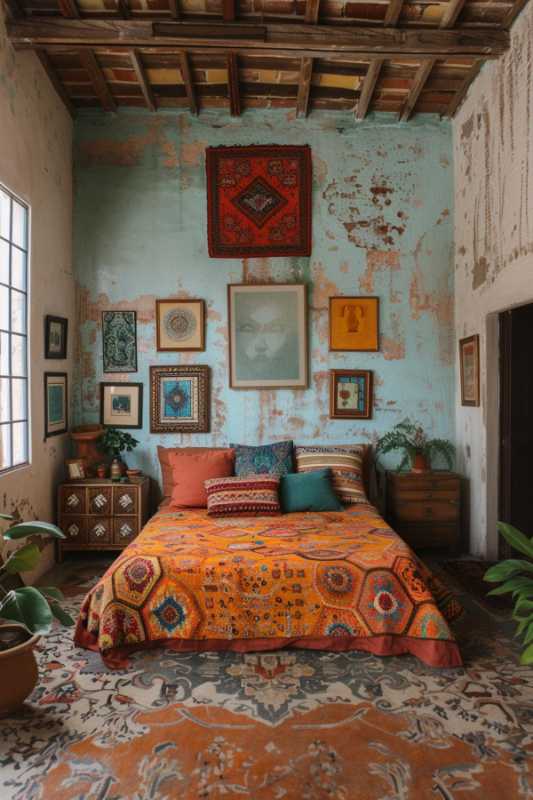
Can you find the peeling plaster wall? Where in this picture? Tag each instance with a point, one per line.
(382, 224)
(36, 164)
(493, 157)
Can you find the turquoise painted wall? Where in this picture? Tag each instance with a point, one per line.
(382, 224)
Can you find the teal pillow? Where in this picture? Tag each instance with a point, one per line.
(308, 491)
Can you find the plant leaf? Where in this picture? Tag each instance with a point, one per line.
(51, 591)
(519, 584)
(516, 539)
(61, 615)
(504, 570)
(31, 528)
(23, 559)
(6, 516)
(27, 605)
(527, 656)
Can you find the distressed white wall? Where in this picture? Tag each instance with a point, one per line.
(36, 164)
(493, 153)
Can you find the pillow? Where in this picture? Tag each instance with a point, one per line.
(191, 469)
(164, 453)
(249, 496)
(308, 491)
(346, 464)
(266, 459)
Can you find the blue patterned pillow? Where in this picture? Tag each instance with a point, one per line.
(266, 459)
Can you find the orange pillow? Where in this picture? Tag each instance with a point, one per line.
(164, 453)
(190, 471)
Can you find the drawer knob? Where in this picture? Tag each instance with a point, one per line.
(73, 501)
(125, 501)
(125, 530)
(73, 530)
(99, 530)
(429, 511)
(100, 501)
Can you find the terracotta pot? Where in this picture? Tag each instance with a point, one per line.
(420, 463)
(85, 437)
(18, 671)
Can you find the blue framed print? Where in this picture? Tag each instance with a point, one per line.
(55, 403)
(179, 399)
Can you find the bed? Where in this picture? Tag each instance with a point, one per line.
(328, 581)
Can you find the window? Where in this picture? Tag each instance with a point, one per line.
(14, 426)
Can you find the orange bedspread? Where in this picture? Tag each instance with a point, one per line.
(330, 580)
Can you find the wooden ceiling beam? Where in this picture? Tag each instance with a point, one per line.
(312, 10)
(228, 10)
(88, 60)
(369, 85)
(69, 9)
(234, 95)
(392, 14)
(293, 40)
(452, 9)
(143, 80)
(460, 95)
(174, 8)
(42, 55)
(123, 9)
(422, 74)
(188, 83)
(304, 87)
(516, 8)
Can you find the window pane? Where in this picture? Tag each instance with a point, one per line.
(5, 203)
(4, 307)
(4, 354)
(5, 446)
(4, 262)
(18, 390)
(5, 403)
(18, 356)
(19, 233)
(20, 443)
(18, 312)
(18, 269)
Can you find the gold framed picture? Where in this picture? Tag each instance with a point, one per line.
(350, 394)
(469, 364)
(180, 325)
(354, 323)
(179, 399)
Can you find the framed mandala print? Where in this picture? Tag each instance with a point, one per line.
(179, 399)
(180, 325)
(119, 341)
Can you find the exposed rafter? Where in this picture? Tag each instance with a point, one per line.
(516, 8)
(392, 14)
(233, 85)
(421, 76)
(54, 80)
(369, 85)
(228, 10)
(461, 94)
(96, 75)
(312, 9)
(69, 9)
(188, 83)
(123, 9)
(452, 9)
(143, 82)
(304, 87)
(174, 8)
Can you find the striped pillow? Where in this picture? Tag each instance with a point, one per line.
(247, 495)
(345, 463)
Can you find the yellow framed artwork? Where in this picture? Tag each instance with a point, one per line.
(354, 323)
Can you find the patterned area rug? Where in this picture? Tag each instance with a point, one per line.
(293, 725)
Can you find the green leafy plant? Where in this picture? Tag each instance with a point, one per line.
(410, 437)
(31, 606)
(516, 577)
(114, 441)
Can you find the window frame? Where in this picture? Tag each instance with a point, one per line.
(24, 335)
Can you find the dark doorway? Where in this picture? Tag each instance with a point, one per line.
(516, 421)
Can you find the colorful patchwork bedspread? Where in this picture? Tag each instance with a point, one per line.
(329, 581)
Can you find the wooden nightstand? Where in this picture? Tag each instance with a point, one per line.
(98, 514)
(425, 508)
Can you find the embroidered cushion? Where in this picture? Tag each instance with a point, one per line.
(265, 459)
(191, 469)
(164, 454)
(250, 496)
(308, 491)
(345, 463)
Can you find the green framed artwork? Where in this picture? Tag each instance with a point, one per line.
(55, 403)
(119, 341)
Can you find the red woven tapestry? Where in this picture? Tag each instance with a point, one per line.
(259, 201)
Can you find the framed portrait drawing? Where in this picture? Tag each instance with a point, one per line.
(354, 323)
(268, 336)
(55, 337)
(121, 404)
(179, 399)
(55, 403)
(180, 325)
(469, 364)
(350, 394)
(119, 341)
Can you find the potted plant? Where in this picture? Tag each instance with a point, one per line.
(26, 613)
(418, 450)
(114, 442)
(516, 576)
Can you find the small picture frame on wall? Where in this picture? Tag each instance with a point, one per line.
(55, 403)
(350, 394)
(119, 341)
(180, 325)
(179, 399)
(55, 337)
(121, 404)
(469, 366)
(76, 469)
(354, 324)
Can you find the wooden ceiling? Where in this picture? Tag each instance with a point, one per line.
(397, 56)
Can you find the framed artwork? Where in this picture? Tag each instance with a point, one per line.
(55, 337)
(179, 399)
(354, 323)
(350, 394)
(121, 404)
(259, 201)
(180, 325)
(76, 469)
(268, 336)
(469, 363)
(55, 403)
(119, 341)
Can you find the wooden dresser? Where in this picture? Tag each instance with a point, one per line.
(425, 508)
(98, 514)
